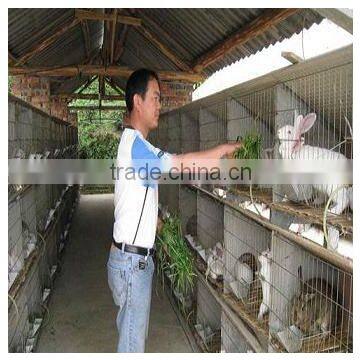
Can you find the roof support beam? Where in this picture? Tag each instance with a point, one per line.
(75, 96)
(269, 18)
(92, 15)
(291, 57)
(85, 31)
(114, 86)
(11, 58)
(113, 37)
(340, 17)
(162, 33)
(119, 48)
(47, 42)
(102, 108)
(86, 70)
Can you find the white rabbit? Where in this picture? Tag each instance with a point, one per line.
(345, 248)
(309, 232)
(292, 147)
(257, 208)
(315, 234)
(265, 260)
(215, 266)
(215, 261)
(220, 192)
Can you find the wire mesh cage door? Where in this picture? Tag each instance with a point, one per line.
(247, 245)
(311, 301)
(314, 121)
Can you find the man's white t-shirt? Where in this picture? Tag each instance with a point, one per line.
(135, 152)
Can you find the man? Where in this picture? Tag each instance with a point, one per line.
(130, 264)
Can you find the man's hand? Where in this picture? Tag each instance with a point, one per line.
(229, 149)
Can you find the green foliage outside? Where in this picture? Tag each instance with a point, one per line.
(10, 82)
(98, 131)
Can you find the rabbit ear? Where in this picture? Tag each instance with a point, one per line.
(303, 125)
(298, 122)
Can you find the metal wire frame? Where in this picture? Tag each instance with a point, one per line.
(328, 94)
(231, 339)
(288, 282)
(208, 314)
(244, 242)
(27, 303)
(210, 221)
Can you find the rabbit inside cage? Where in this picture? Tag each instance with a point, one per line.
(247, 265)
(314, 121)
(311, 301)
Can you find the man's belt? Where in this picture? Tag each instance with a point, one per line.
(134, 249)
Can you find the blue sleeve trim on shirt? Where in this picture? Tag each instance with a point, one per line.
(143, 157)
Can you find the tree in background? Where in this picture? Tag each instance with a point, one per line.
(99, 131)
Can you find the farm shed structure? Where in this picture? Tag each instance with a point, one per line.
(55, 54)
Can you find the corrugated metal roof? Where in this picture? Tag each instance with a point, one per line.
(317, 65)
(199, 30)
(188, 32)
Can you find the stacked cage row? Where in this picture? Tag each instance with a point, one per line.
(39, 220)
(285, 255)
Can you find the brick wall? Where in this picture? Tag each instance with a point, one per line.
(175, 94)
(36, 91)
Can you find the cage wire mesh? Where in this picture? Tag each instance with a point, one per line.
(232, 341)
(321, 88)
(323, 99)
(15, 242)
(208, 318)
(245, 280)
(188, 211)
(311, 301)
(34, 224)
(210, 221)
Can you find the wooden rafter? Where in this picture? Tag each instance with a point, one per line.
(94, 107)
(92, 15)
(11, 58)
(75, 96)
(83, 87)
(148, 34)
(269, 18)
(120, 44)
(86, 70)
(114, 86)
(87, 84)
(113, 37)
(47, 42)
(85, 31)
(103, 45)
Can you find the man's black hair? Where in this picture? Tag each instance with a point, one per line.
(137, 84)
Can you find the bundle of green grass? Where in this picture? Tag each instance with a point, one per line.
(251, 147)
(174, 255)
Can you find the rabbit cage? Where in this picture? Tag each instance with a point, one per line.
(39, 220)
(287, 263)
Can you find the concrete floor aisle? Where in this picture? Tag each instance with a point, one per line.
(82, 312)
